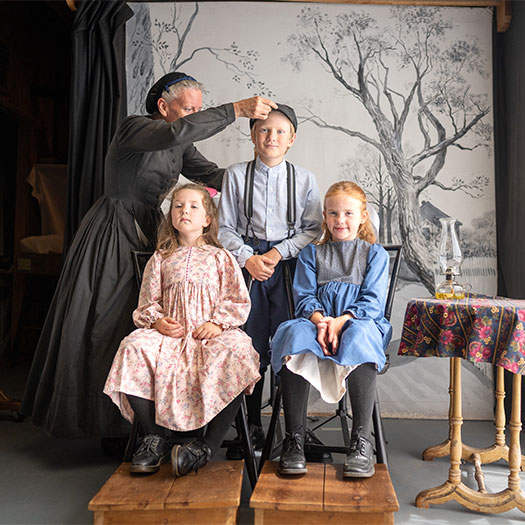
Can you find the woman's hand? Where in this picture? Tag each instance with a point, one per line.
(254, 107)
(207, 330)
(168, 326)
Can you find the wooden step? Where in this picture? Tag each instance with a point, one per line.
(323, 496)
(212, 495)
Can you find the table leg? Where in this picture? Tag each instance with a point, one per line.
(454, 488)
(499, 450)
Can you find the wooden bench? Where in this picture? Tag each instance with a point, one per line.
(323, 496)
(212, 495)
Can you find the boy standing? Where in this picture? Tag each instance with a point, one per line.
(268, 212)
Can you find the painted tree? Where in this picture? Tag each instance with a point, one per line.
(434, 99)
(168, 40)
(368, 170)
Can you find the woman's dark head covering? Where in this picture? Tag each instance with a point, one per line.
(163, 84)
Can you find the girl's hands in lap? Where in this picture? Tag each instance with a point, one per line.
(207, 330)
(328, 332)
(169, 326)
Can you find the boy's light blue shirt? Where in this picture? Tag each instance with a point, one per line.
(269, 209)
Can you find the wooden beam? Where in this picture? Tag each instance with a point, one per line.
(503, 7)
(503, 15)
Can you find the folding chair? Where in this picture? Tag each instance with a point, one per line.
(270, 451)
(140, 260)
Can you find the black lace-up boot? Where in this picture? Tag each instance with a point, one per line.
(360, 460)
(292, 459)
(153, 451)
(189, 457)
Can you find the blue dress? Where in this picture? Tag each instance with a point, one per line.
(336, 278)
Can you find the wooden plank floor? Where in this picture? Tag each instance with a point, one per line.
(211, 496)
(323, 496)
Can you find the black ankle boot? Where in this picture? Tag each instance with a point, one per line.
(153, 451)
(292, 459)
(189, 457)
(359, 461)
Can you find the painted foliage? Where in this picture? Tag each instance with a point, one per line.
(398, 99)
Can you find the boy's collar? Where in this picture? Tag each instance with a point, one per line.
(261, 165)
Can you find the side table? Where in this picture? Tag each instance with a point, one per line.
(480, 329)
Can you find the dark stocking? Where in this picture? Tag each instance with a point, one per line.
(254, 403)
(295, 390)
(145, 413)
(362, 391)
(220, 424)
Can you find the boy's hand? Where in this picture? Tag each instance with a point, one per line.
(255, 107)
(168, 326)
(207, 330)
(274, 255)
(260, 267)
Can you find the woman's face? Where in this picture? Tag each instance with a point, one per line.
(343, 215)
(187, 102)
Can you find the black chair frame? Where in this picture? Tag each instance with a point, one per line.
(139, 263)
(312, 445)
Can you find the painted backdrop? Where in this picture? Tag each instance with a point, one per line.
(398, 99)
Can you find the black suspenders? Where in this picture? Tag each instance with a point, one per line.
(290, 196)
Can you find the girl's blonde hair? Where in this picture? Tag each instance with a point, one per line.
(366, 230)
(168, 237)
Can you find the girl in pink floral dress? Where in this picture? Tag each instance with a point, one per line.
(188, 363)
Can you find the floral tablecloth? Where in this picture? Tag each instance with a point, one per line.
(479, 328)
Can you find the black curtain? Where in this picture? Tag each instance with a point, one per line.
(98, 101)
(509, 132)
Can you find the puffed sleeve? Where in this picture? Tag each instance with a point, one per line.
(370, 302)
(150, 307)
(305, 284)
(233, 305)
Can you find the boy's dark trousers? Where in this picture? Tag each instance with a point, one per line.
(270, 307)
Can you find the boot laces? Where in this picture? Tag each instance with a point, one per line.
(151, 443)
(294, 442)
(201, 453)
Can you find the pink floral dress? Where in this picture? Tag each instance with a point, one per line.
(190, 380)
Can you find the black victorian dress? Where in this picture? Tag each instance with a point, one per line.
(96, 294)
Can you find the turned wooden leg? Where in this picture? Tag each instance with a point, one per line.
(515, 429)
(456, 446)
(499, 418)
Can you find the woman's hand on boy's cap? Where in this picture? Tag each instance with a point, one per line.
(254, 107)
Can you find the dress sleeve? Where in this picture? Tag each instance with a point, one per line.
(196, 167)
(305, 284)
(150, 307)
(370, 302)
(233, 305)
(141, 134)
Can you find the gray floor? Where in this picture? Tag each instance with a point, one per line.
(50, 481)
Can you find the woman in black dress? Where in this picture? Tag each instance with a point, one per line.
(91, 309)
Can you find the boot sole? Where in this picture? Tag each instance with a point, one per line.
(149, 469)
(368, 474)
(174, 460)
(291, 471)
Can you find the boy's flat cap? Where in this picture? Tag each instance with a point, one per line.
(161, 85)
(287, 111)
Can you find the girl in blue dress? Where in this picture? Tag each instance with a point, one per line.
(340, 289)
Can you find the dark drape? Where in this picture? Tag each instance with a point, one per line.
(509, 125)
(98, 101)
(509, 133)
